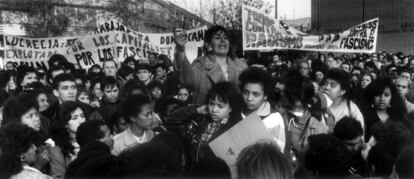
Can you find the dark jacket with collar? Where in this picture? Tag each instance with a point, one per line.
(204, 72)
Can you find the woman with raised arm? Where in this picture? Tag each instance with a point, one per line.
(216, 65)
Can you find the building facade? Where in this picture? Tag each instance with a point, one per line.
(152, 16)
(396, 20)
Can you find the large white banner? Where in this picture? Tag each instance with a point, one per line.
(110, 41)
(262, 32)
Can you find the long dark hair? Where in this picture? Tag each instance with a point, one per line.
(60, 134)
(17, 106)
(397, 106)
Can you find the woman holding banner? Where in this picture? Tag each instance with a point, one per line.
(216, 65)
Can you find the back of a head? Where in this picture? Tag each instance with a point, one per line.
(89, 131)
(348, 128)
(263, 160)
(106, 166)
(212, 167)
(153, 160)
(405, 164)
(327, 156)
(16, 106)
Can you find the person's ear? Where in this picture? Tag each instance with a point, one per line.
(55, 92)
(22, 158)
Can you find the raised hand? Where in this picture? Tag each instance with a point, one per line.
(180, 38)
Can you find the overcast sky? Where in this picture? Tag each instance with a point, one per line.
(291, 8)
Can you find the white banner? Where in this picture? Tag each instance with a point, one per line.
(262, 32)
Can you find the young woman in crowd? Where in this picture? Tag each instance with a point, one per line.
(19, 152)
(256, 86)
(205, 123)
(217, 65)
(336, 86)
(382, 102)
(70, 117)
(96, 91)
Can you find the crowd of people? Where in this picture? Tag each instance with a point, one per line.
(344, 116)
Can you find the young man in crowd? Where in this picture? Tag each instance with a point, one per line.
(64, 88)
(144, 74)
(403, 86)
(25, 75)
(110, 102)
(95, 140)
(160, 72)
(110, 68)
(350, 132)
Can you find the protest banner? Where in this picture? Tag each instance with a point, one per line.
(111, 40)
(161, 43)
(229, 144)
(262, 32)
(32, 51)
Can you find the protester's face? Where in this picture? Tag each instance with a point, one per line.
(84, 98)
(411, 64)
(121, 125)
(29, 78)
(31, 118)
(77, 117)
(96, 70)
(9, 66)
(406, 75)
(382, 101)
(218, 110)
(109, 68)
(354, 145)
(97, 91)
(131, 64)
(220, 43)
(156, 92)
(319, 76)
(329, 62)
(30, 156)
(111, 93)
(365, 81)
(333, 89)
(11, 85)
(66, 91)
(304, 69)
(107, 138)
(56, 73)
(42, 101)
(143, 75)
(160, 73)
(253, 95)
(402, 87)
(183, 95)
(345, 67)
(145, 118)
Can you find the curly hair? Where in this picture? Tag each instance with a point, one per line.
(16, 139)
(257, 75)
(60, 134)
(377, 87)
(17, 106)
(328, 156)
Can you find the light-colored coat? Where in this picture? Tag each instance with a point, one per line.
(204, 72)
(126, 140)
